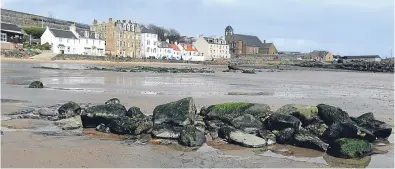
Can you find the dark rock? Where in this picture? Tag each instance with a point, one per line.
(269, 137)
(113, 101)
(226, 112)
(133, 126)
(232, 67)
(144, 126)
(224, 132)
(317, 129)
(304, 138)
(284, 136)
(305, 113)
(70, 109)
(349, 148)
(248, 71)
(378, 128)
(192, 137)
(169, 119)
(135, 112)
(330, 114)
(247, 122)
(36, 84)
(347, 130)
(203, 111)
(213, 126)
(282, 121)
(95, 115)
(103, 128)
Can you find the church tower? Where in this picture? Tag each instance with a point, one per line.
(228, 33)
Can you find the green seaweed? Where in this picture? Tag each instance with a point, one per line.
(350, 148)
(228, 107)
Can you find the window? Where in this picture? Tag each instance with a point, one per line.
(148, 35)
(128, 44)
(154, 43)
(120, 35)
(147, 49)
(3, 37)
(99, 42)
(148, 42)
(68, 49)
(60, 40)
(87, 41)
(67, 40)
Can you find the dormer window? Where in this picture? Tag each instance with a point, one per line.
(86, 34)
(96, 35)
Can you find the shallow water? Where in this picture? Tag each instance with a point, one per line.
(354, 92)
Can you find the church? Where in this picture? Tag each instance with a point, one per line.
(241, 45)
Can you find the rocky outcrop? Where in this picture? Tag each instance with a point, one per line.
(192, 137)
(95, 115)
(69, 123)
(36, 84)
(169, 119)
(70, 109)
(349, 148)
(380, 129)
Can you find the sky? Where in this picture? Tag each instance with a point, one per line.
(345, 27)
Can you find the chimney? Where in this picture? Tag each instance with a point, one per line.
(176, 42)
(264, 41)
(72, 27)
(110, 19)
(94, 21)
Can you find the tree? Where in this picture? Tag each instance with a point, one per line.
(173, 35)
(160, 31)
(35, 32)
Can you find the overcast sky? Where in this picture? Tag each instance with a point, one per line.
(346, 27)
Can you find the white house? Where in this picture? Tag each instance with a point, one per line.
(212, 47)
(149, 43)
(164, 51)
(71, 41)
(189, 52)
(176, 52)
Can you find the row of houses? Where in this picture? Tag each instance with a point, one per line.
(130, 39)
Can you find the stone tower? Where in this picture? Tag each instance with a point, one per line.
(228, 33)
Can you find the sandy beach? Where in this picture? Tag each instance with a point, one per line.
(354, 92)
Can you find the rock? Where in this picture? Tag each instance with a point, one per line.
(191, 137)
(103, 128)
(135, 112)
(95, 115)
(224, 132)
(226, 112)
(133, 126)
(284, 136)
(200, 125)
(317, 129)
(70, 109)
(36, 84)
(330, 114)
(247, 122)
(113, 101)
(282, 121)
(213, 126)
(246, 140)
(347, 130)
(248, 71)
(203, 111)
(169, 119)
(304, 138)
(144, 126)
(349, 148)
(69, 123)
(47, 112)
(268, 136)
(305, 113)
(378, 128)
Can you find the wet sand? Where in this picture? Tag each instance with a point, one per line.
(355, 92)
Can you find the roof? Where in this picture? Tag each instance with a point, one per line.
(361, 56)
(63, 33)
(174, 46)
(145, 29)
(210, 40)
(10, 27)
(188, 47)
(248, 39)
(266, 45)
(163, 44)
(317, 53)
(91, 34)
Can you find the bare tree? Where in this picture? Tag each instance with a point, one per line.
(173, 35)
(160, 31)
